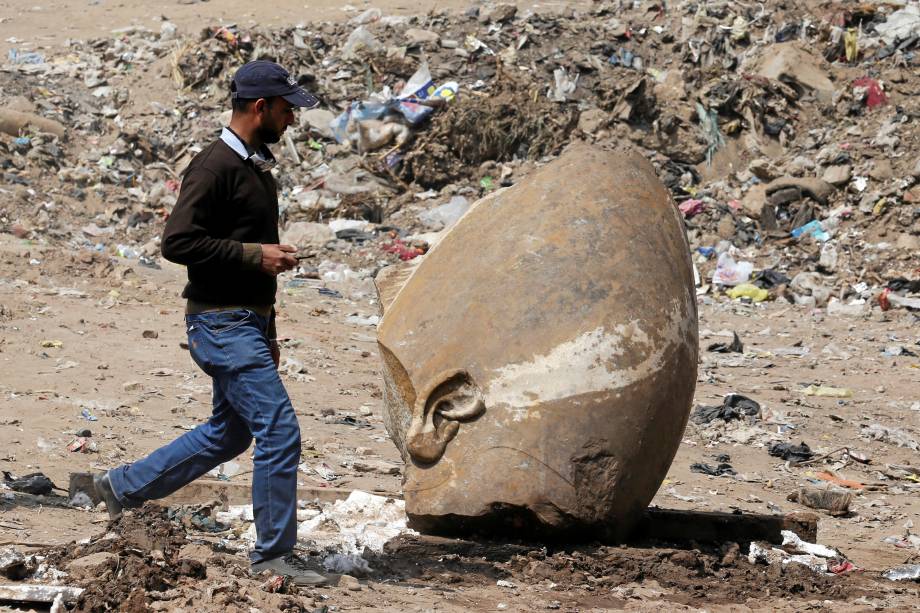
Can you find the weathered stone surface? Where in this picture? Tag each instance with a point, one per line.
(592, 120)
(881, 170)
(816, 189)
(92, 566)
(416, 36)
(12, 563)
(540, 360)
(790, 63)
(754, 200)
(305, 235)
(499, 13)
(763, 169)
(319, 120)
(838, 175)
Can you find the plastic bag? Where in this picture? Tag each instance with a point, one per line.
(729, 272)
(746, 290)
(360, 39)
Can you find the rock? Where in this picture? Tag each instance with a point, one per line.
(672, 85)
(318, 120)
(801, 164)
(307, 235)
(13, 564)
(592, 120)
(416, 36)
(817, 189)
(763, 169)
(754, 200)
(881, 170)
(726, 227)
(93, 566)
(838, 175)
(14, 123)
(908, 242)
(789, 63)
(20, 231)
(378, 467)
(196, 551)
(349, 583)
(515, 408)
(915, 173)
(811, 284)
(785, 196)
(499, 13)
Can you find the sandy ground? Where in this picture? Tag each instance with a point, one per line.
(35, 25)
(146, 391)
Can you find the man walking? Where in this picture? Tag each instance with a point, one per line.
(224, 229)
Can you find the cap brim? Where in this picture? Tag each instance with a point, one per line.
(301, 98)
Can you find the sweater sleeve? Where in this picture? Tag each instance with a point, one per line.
(187, 237)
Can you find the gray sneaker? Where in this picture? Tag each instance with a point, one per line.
(104, 489)
(290, 565)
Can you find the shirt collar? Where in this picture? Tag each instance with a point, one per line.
(263, 159)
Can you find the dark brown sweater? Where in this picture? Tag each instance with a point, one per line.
(226, 210)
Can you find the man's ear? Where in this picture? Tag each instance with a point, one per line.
(260, 105)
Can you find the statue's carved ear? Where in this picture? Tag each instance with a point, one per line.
(452, 399)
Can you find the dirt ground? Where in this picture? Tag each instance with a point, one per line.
(46, 24)
(145, 391)
(77, 333)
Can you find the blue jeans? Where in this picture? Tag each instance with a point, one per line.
(249, 402)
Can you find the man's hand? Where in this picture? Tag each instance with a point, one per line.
(277, 258)
(276, 353)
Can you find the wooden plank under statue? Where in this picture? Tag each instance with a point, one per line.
(540, 360)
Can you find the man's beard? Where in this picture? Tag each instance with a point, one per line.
(268, 135)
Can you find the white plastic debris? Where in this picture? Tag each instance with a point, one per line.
(771, 555)
(729, 272)
(362, 520)
(564, 85)
(358, 320)
(347, 564)
(446, 215)
(39, 593)
(791, 539)
(908, 572)
(337, 225)
(900, 25)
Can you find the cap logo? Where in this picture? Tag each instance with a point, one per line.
(292, 81)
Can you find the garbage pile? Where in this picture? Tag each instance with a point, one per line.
(149, 560)
(786, 137)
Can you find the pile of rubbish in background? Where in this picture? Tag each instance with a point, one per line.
(788, 139)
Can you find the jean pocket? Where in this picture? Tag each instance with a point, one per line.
(219, 322)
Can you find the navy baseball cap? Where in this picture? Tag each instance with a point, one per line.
(264, 79)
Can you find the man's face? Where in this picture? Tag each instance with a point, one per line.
(275, 115)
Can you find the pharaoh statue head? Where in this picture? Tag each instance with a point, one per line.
(540, 361)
